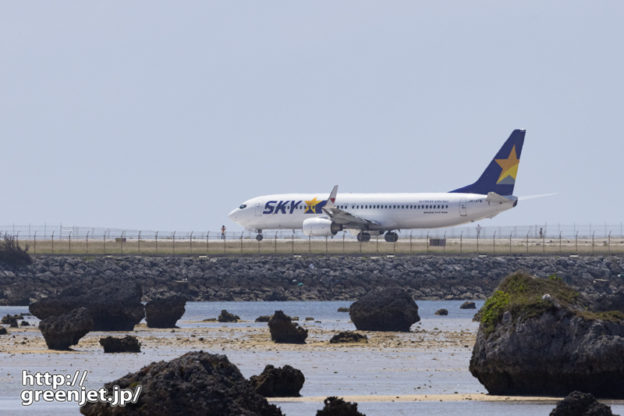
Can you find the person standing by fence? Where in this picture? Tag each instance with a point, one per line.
(223, 232)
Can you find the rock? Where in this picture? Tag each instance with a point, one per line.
(335, 406)
(263, 318)
(113, 307)
(278, 382)
(581, 404)
(64, 330)
(284, 331)
(3, 330)
(529, 346)
(197, 383)
(164, 312)
(441, 312)
(348, 337)
(343, 309)
(609, 302)
(128, 343)
(228, 317)
(468, 305)
(11, 320)
(391, 309)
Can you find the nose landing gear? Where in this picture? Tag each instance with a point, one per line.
(259, 236)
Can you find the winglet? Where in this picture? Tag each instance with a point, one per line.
(332, 197)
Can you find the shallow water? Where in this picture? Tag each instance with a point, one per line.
(404, 367)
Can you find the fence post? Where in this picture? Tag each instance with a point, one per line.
(292, 242)
(35, 244)
(427, 251)
(224, 238)
(343, 241)
(609, 242)
(478, 241)
(560, 249)
(309, 244)
(139, 242)
(593, 235)
(377, 243)
(494, 242)
(121, 241)
(461, 242)
(445, 242)
(207, 238)
(326, 245)
(275, 243)
(544, 242)
(527, 243)
(156, 239)
(69, 242)
(104, 237)
(410, 242)
(173, 243)
(576, 243)
(52, 241)
(191, 242)
(510, 243)
(241, 242)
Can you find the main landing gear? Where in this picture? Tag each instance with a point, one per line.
(259, 236)
(391, 237)
(363, 237)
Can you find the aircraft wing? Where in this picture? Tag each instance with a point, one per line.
(344, 218)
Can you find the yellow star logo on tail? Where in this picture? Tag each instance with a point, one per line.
(509, 166)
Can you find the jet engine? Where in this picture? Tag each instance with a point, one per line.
(320, 227)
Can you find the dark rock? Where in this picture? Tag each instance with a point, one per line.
(197, 383)
(263, 318)
(278, 382)
(3, 330)
(391, 309)
(609, 302)
(343, 309)
(64, 330)
(468, 305)
(164, 312)
(537, 337)
(228, 317)
(581, 404)
(113, 307)
(335, 406)
(11, 320)
(284, 331)
(441, 312)
(128, 343)
(348, 337)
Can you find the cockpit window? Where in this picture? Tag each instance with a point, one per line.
(243, 206)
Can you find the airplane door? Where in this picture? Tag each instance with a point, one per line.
(463, 211)
(258, 209)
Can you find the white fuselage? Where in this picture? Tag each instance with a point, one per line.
(386, 211)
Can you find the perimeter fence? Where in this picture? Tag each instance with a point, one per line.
(505, 240)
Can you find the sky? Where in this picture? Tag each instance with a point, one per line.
(166, 115)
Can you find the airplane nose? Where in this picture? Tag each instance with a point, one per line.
(232, 214)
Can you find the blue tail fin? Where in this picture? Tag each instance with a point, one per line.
(500, 175)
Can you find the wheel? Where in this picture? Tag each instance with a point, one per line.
(259, 237)
(391, 237)
(363, 237)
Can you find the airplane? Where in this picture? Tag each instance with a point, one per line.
(385, 213)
